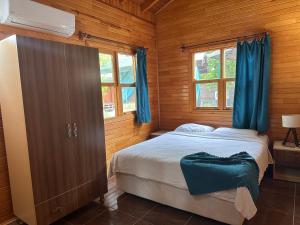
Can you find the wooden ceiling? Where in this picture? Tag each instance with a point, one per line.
(154, 6)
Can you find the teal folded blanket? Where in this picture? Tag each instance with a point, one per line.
(205, 173)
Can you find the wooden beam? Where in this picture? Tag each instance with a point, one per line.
(148, 4)
(163, 7)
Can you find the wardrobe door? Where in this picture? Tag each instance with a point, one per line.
(47, 114)
(87, 119)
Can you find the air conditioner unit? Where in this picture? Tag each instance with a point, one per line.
(31, 15)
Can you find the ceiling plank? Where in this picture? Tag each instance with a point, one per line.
(148, 4)
(164, 6)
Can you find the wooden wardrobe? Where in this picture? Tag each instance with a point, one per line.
(53, 127)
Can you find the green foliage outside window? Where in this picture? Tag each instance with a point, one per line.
(208, 67)
(230, 68)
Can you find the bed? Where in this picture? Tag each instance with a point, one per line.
(151, 170)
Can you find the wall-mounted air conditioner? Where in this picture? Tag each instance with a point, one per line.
(31, 15)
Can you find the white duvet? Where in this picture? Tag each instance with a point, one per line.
(158, 159)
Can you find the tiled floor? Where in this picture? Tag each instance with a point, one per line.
(278, 204)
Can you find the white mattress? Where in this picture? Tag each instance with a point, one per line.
(158, 159)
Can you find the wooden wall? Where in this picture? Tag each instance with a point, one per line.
(194, 21)
(122, 24)
(130, 6)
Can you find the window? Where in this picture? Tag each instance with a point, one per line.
(229, 75)
(126, 64)
(214, 78)
(108, 84)
(117, 72)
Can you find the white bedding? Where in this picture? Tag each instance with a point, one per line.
(158, 159)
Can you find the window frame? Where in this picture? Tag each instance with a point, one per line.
(117, 85)
(221, 82)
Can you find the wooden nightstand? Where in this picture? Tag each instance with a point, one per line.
(286, 162)
(158, 133)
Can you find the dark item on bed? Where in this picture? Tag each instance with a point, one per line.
(205, 173)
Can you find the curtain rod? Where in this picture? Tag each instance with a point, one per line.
(84, 36)
(184, 47)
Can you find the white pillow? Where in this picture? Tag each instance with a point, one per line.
(194, 128)
(235, 131)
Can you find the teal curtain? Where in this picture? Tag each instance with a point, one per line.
(143, 107)
(251, 98)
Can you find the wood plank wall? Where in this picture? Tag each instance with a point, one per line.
(194, 21)
(126, 25)
(130, 6)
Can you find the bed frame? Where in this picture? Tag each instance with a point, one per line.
(203, 205)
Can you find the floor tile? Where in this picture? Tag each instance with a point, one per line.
(17, 222)
(298, 189)
(143, 222)
(111, 200)
(276, 186)
(275, 207)
(85, 214)
(62, 222)
(114, 217)
(164, 215)
(280, 202)
(297, 220)
(297, 206)
(135, 206)
(270, 217)
(198, 220)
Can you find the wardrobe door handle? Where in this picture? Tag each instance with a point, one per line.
(75, 130)
(69, 130)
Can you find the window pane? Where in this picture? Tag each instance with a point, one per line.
(207, 65)
(129, 99)
(207, 95)
(108, 98)
(230, 62)
(106, 68)
(230, 93)
(126, 69)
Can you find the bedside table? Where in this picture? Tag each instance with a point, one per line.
(157, 133)
(286, 162)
